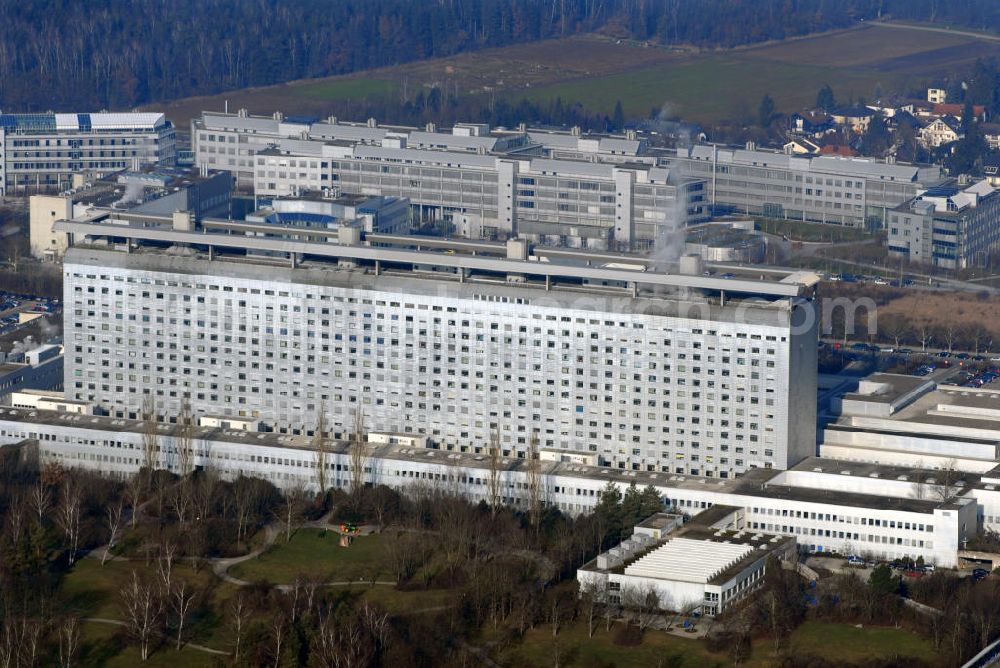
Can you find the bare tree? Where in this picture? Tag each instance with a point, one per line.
(185, 439)
(68, 515)
(945, 487)
(17, 511)
(245, 497)
(593, 594)
(895, 327)
(185, 461)
(290, 511)
(181, 598)
(142, 608)
(114, 519)
(165, 563)
(205, 493)
(239, 615)
(150, 439)
(321, 448)
(279, 624)
(69, 640)
(534, 484)
(643, 603)
(359, 453)
(132, 493)
(925, 334)
(493, 481)
(40, 499)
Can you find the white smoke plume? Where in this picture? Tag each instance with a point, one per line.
(671, 237)
(27, 345)
(133, 193)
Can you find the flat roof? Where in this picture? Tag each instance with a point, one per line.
(894, 387)
(791, 284)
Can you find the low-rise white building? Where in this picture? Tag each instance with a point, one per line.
(912, 423)
(816, 502)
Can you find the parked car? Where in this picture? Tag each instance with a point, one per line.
(980, 574)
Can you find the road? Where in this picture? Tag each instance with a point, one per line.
(945, 31)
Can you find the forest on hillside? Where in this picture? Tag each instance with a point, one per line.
(115, 54)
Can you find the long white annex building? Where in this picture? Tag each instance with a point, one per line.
(624, 367)
(827, 505)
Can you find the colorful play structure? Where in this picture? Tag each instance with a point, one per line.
(348, 531)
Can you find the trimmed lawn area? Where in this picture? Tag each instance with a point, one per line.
(317, 552)
(799, 230)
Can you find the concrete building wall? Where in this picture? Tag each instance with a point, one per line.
(718, 391)
(43, 211)
(934, 534)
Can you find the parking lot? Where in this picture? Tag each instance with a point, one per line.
(11, 305)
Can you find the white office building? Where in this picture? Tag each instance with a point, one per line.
(947, 226)
(41, 152)
(554, 188)
(681, 373)
(856, 192)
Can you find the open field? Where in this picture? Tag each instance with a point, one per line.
(316, 552)
(598, 70)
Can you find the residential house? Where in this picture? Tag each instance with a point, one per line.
(956, 110)
(813, 123)
(937, 95)
(940, 131)
(801, 146)
(856, 118)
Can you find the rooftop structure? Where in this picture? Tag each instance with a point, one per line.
(41, 152)
(151, 191)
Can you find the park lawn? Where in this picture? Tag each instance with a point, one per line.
(573, 647)
(316, 552)
(353, 88)
(846, 642)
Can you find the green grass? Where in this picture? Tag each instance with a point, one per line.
(573, 647)
(713, 87)
(849, 643)
(316, 552)
(842, 642)
(798, 230)
(100, 647)
(354, 88)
